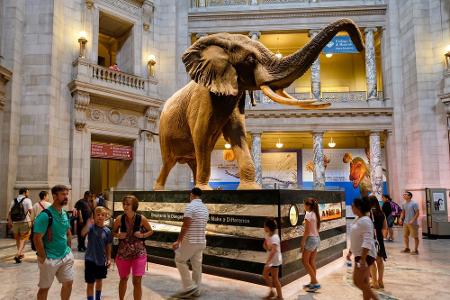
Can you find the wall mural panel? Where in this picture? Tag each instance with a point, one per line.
(291, 169)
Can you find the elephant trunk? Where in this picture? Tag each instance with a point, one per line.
(286, 70)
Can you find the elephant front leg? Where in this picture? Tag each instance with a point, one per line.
(234, 133)
(202, 159)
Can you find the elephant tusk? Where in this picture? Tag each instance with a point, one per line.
(289, 100)
(285, 94)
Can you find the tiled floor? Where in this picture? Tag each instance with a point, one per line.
(426, 276)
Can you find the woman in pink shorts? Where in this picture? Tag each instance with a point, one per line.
(132, 254)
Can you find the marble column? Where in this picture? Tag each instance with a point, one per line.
(371, 68)
(255, 35)
(256, 154)
(376, 170)
(315, 71)
(319, 166)
(254, 2)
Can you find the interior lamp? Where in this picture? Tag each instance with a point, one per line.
(227, 146)
(331, 143)
(82, 40)
(447, 56)
(151, 62)
(278, 54)
(328, 55)
(279, 145)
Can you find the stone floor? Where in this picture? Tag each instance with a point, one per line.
(426, 276)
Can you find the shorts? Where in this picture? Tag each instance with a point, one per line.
(62, 268)
(23, 229)
(390, 221)
(136, 266)
(369, 260)
(411, 230)
(92, 271)
(312, 243)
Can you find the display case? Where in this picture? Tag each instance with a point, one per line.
(235, 231)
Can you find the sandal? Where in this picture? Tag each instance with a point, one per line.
(381, 284)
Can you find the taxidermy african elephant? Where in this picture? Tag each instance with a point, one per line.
(222, 68)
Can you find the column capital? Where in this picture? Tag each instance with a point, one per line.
(256, 132)
(318, 132)
(376, 132)
(370, 29)
(254, 35)
(201, 34)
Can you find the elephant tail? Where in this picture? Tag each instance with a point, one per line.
(148, 131)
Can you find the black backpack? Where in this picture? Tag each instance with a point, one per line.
(136, 226)
(50, 222)
(17, 211)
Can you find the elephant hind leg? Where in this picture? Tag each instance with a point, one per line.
(168, 164)
(193, 165)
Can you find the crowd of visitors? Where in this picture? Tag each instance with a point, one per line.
(51, 239)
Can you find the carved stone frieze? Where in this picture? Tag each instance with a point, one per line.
(147, 15)
(290, 13)
(152, 116)
(112, 116)
(5, 76)
(89, 3)
(132, 7)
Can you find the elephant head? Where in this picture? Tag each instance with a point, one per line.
(229, 63)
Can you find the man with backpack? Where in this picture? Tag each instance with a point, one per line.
(19, 219)
(53, 240)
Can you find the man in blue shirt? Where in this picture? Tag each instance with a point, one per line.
(53, 245)
(410, 215)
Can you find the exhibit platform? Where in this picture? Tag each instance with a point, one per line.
(235, 231)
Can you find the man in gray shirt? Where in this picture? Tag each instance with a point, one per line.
(409, 217)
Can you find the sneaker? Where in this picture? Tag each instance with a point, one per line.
(17, 259)
(197, 293)
(406, 250)
(415, 252)
(185, 294)
(313, 288)
(307, 286)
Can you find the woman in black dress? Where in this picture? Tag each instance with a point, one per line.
(380, 224)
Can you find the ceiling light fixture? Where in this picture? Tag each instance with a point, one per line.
(328, 55)
(227, 146)
(279, 145)
(331, 144)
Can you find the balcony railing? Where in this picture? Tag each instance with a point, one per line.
(215, 3)
(87, 72)
(117, 77)
(332, 97)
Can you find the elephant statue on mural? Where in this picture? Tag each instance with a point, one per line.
(223, 67)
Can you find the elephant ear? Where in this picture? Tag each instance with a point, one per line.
(210, 67)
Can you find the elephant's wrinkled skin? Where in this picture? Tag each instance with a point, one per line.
(223, 67)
